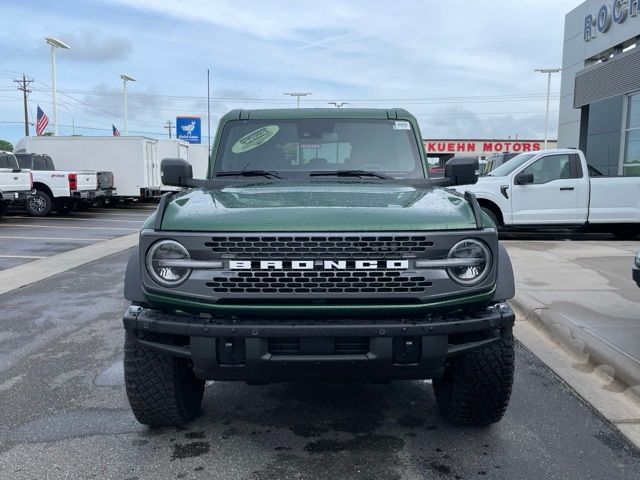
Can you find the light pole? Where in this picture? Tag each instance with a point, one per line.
(548, 71)
(298, 95)
(125, 79)
(338, 104)
(55, 43)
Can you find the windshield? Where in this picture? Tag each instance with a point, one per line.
(510, 165)
(295, 148)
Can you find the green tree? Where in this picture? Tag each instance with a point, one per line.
(47, 134)
(6, 146)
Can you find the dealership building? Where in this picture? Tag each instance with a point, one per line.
(600, 87)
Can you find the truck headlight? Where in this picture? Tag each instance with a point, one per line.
(476, 264)
(159, 261)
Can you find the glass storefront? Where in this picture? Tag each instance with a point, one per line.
(631, 159)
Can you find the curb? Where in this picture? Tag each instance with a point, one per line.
(578, 341)
(28, 273)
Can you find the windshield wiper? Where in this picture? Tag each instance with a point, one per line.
(348, 173)
(248, 173)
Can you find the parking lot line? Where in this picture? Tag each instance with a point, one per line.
(20, 256)
(61, 239)
(66, 226)
(28, 273)
(77, 219)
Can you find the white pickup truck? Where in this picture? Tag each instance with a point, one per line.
(61, 190)
(15, 184)
(556, 188)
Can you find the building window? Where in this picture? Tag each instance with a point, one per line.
(631, 159)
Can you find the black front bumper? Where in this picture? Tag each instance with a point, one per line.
(636, 275)
(267, 350)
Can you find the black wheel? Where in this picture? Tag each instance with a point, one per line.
(3, 208)
(476, 386)
(39, 204)
(492, 216)
(626, 232)
(162, 390)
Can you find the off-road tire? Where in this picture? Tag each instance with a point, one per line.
(476, 386)
(162, 390)
(39, 204)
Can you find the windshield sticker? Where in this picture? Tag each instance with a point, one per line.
(255, 139)
(401, 125)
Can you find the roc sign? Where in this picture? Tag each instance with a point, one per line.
(483, 147)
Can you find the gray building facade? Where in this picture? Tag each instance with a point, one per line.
(600, 86)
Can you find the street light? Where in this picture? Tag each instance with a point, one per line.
(548, 71)
(338, 104)
(125, 79)
(298, 95)
(55, 43)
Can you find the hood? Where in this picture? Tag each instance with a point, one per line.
(318, 206)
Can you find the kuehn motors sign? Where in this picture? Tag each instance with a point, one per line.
(483, 147)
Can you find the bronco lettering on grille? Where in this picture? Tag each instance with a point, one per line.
(318, 264)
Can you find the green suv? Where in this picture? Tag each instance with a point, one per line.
(316, 249)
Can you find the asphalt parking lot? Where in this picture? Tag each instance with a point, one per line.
(65, 413)
(24, 238)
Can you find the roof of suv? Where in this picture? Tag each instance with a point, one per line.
(301, 113)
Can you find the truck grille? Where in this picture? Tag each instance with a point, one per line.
(314, 282)
(335, 247)
(337, 346)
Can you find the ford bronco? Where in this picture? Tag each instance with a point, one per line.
(317, 249)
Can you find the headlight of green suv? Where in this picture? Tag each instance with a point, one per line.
(163, 263)
(475, 260)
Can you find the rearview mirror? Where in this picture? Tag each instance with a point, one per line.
(524, 178)
(175, 172)
(462, 170)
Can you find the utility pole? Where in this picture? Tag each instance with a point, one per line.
(169, 125)
(23, 87)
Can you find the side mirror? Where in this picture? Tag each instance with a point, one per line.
(175, 172)
(524, 178)
(462, 170)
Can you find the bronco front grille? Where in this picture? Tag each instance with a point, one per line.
(318, 282)
(311, 246)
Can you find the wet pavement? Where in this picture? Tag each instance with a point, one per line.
(65, 413)
(24, 238)
(586, 285)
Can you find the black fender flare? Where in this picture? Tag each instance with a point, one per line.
(133, 279)
(505, 286)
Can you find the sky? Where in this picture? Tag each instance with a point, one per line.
(465, 69)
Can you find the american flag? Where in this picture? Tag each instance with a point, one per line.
(116, 132)
(41, 122)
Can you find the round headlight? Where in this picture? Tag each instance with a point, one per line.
(475, 262)
(159, 263)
